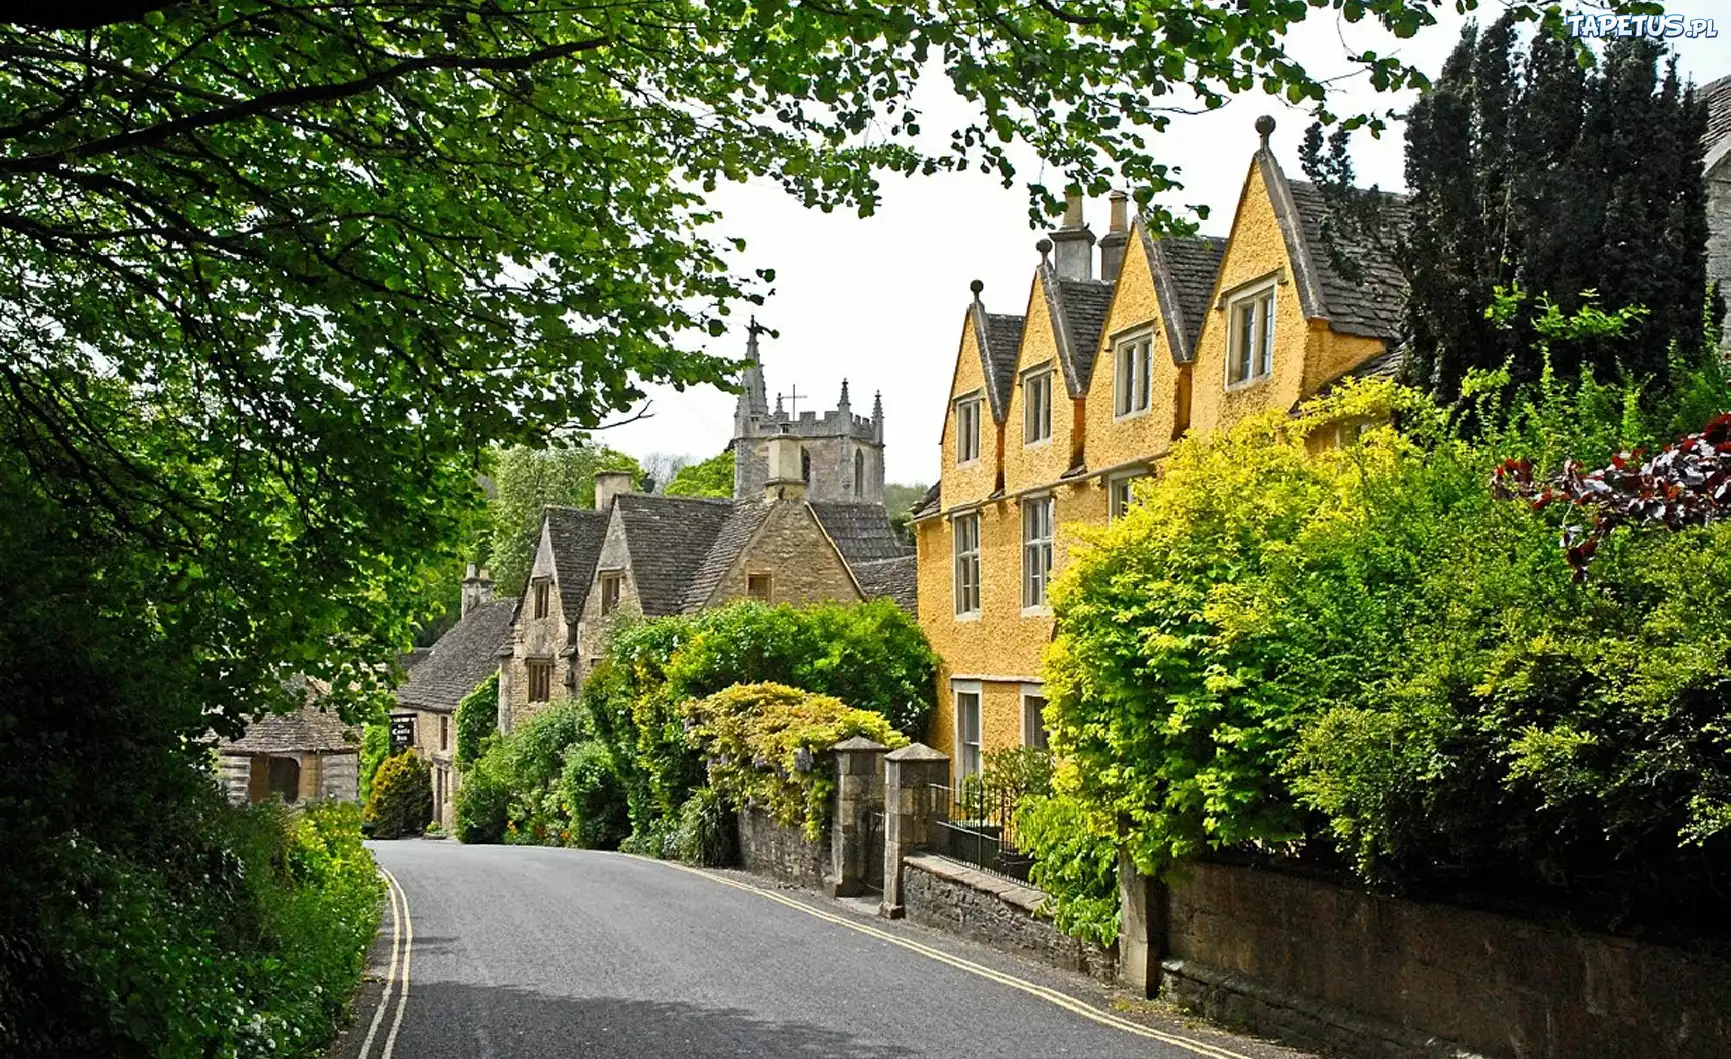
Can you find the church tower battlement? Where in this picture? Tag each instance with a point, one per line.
(842, 453)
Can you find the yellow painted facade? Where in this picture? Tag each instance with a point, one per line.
(996, 652)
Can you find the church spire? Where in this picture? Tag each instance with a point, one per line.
(753, 396)
(844, 404)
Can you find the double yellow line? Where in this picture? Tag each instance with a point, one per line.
(1051, 996)
(403, 948)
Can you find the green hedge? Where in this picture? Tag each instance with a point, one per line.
(1361, 651)
(401, 802)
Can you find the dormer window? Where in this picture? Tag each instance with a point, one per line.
(542, 594)
(967, 430)
(1251, 355)
(1037, 406)
(1133, 371)
(609, 592)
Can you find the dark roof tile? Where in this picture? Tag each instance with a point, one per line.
(1081, 306)
(895, 579)
(1371, 305)
(862, 532)
(464, 657)
(1185, 269)
(576, 535)
(741, 526)
(1718, 97)
(670, 538)
(1000, 338)
(308, 728)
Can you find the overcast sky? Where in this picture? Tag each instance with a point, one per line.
(880, 300)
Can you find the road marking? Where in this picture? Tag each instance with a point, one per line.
(403, 937)
(408, 955)
(390, 975)
(1051, 996)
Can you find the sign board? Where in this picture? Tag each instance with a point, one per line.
(402, 733)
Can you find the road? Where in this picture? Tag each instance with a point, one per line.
(529, 953)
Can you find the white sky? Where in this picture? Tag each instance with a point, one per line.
(880, 300)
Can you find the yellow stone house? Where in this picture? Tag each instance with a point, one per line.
(1120, 349)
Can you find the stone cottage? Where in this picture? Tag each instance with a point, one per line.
(441, 677)
(303, 756)
(660, 555)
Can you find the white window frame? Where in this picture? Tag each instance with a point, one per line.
(965, 571)
(1033, 722)
(1132, 375)
(1037, 405)
(1038, 535)
(970, 755)
(968, 430)
(1250, 347)
(1118, 495)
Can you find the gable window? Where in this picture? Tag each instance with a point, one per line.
(1122, 495)
(1036, 550)
(1134, 366)
(543, 594)
(966, 529)
(1034, 718)
(609, 593)
(967, 430)
(1037, 406)
(1251, 356)
(540, 681)
(968, 730)
(858, 473)
(758, 586)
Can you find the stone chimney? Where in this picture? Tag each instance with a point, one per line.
(609, 484)
(786, 468)
(1117, 238)
(477, 588)
(1073, 244)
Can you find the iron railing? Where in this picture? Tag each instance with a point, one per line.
(980, 828)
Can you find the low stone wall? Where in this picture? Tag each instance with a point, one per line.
(951, 896)
(783, 853)
(1362, 975)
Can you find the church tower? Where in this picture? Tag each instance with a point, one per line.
(841, 454)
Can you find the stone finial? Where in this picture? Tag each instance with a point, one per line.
(844, 403)
(1044, 246)
(976, 286)
(1265, 129)
(878, 406)
(778, 410)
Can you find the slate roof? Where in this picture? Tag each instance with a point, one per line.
(896, 579)
(735, 533)
(308, 728)
(862, 532)
(670, 538)
(414, 658)
(929, 502)
(1718, 97)
(1371, 306)
(1079, 308)
(576, 535)
(1184, 271)
(460, 660)
(1000, 337)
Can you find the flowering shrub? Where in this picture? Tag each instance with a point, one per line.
(401, 802)
(766, 744)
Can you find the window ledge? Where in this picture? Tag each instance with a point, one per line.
(1044, 610)
(972, 615)
(1043, 443)
(1250, 383)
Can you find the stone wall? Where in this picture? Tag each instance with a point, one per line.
(1719, 231)
(782, 853)
(1358, 974)
(951, 896)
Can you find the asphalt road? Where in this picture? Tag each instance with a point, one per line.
(527, 953)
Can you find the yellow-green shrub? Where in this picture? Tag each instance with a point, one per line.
(766, 743)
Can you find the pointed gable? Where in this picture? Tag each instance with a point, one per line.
(1183, 269)
(669, 539)
(574, 536)
(999, 338)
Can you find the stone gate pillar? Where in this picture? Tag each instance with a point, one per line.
(1142, 931)
(916, 783)
(859, 793)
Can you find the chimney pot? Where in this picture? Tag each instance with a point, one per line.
(609, 484)
(1073, 208)
(1120, 212)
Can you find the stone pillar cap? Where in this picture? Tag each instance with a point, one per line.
(859, 742)
(916, 752)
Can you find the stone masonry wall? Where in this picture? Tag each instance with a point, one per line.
(782, 853)
(1364, 975)
(802, 565)
(945, 894)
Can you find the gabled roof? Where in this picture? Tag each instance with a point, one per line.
(670, 538)
(1372, 305)
(466, 655)
(1717, 141)
(735, 534)
(862, 532)
(999, 336)
(576, 535)
(306, 729)
(1078, 309)
(929, 502)
(1184, 270)
(893, 579)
